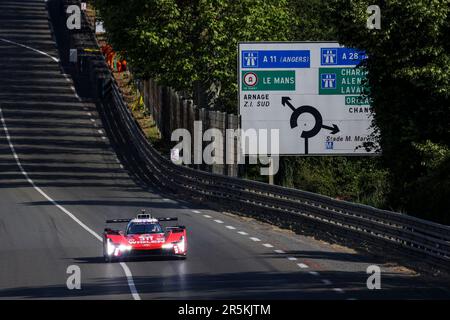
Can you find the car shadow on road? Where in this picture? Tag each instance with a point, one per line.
(101, 259)
(239, 285)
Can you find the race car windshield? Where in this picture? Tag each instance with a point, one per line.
(144, 228)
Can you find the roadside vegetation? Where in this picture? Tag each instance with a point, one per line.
(191, 46)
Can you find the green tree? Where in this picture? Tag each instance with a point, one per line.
(360, 179)
(153, 35)
(409, 76)
(191, 45)
(308, 21)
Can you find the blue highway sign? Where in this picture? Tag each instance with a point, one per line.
(272, 59)
(341, 56)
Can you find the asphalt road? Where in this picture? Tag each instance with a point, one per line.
(60, 180)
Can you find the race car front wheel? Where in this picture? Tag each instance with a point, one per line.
(182, 257)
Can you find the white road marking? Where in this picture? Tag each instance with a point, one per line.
(125, 268)
(195, 211)
(279, 251)
(131, 285)
(268, 245)
(338, 290)
(27, 177)
(302, 265)
(326, 282)
(230, 227)
(243, 233)
(207, 216)
(218, 221)
(292, 258)
(314, 273)
(254, 239)
(29, 48)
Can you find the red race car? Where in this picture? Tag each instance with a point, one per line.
(144, 236)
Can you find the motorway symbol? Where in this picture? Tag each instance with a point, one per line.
(297, 112)
(329, 56)
(328, 80)
(250, 59)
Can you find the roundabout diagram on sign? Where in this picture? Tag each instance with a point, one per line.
(318, 125)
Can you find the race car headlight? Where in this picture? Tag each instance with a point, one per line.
(124, 247)
(167, 246)
(181, 245)
(110, 247)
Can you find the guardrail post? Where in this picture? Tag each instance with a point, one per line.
(158, 104)
(231, 168)
(190, 118)
(166, 114)
(202, 117)
(145, 95)
(185, 114)
(175, 106)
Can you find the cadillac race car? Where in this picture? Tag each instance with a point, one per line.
(144, 236)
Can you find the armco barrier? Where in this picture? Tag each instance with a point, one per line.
(389, 232)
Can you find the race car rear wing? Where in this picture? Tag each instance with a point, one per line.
(128, 220)
(176, 229)
(166, 219)
(118, 221)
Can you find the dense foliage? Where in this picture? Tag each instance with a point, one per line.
(409, 71)
(191, 46)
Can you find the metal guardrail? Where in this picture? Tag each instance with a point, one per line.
(388, 230)
(385, 231)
